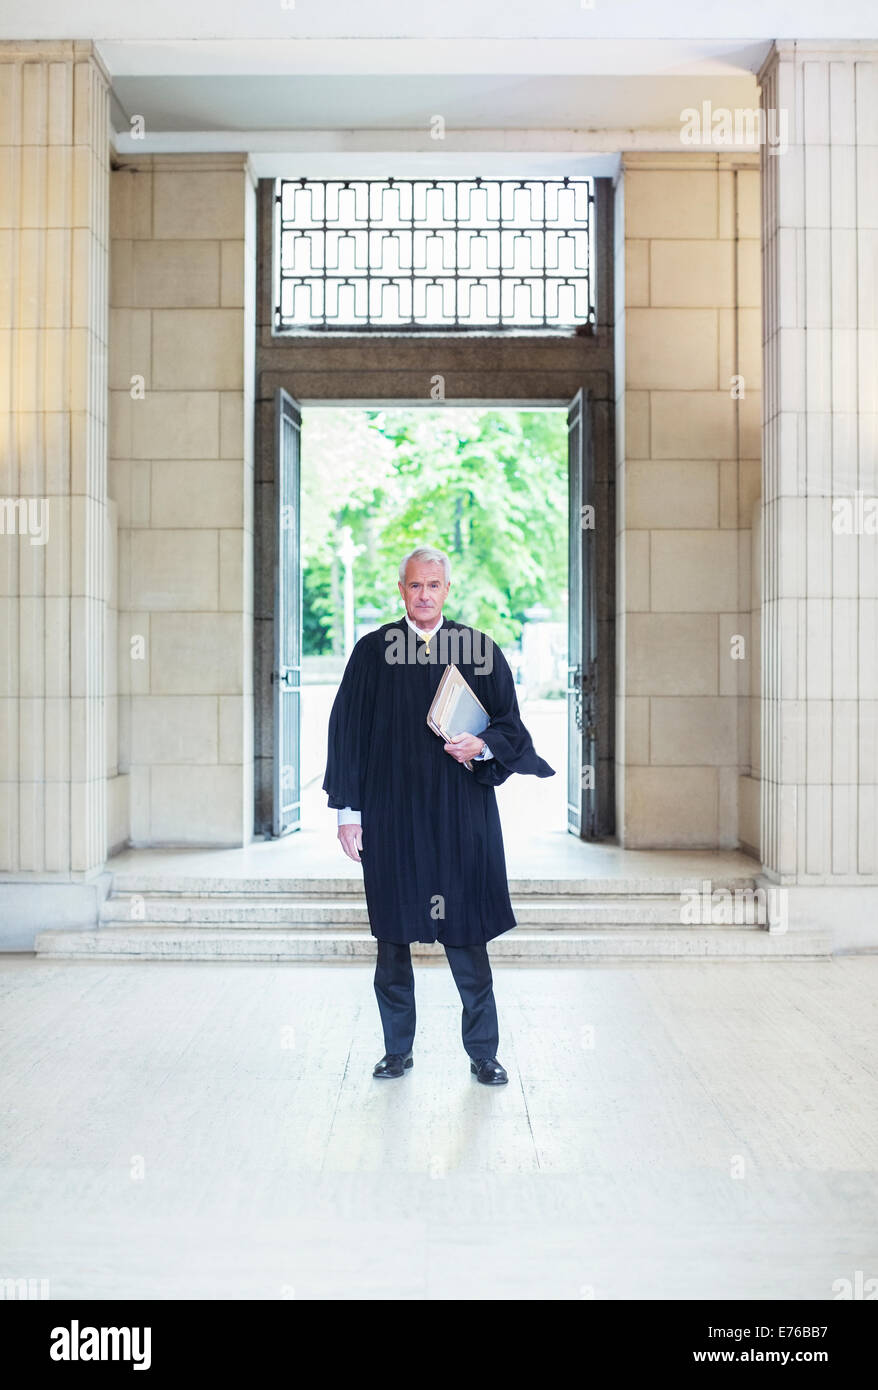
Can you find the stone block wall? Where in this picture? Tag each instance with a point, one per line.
(688, 378)
(181, 472)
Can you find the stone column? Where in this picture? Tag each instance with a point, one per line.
(820, 578)
(54, 173)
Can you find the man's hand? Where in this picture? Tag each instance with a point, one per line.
(351, 837)
(463, 747)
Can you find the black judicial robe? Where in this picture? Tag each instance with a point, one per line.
(433, 863)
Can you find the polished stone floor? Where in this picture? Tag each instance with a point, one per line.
(677, 1130)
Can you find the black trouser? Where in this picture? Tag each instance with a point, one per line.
(395, 992)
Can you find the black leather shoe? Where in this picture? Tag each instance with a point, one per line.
(489, 1071)
(393, 1064)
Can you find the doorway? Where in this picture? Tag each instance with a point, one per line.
(509, 495)
(300, 372)
(486, 485)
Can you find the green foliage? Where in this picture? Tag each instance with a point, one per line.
(317, 609)
(489, 487)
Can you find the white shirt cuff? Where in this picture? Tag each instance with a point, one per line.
(484, 755)
(349, 817)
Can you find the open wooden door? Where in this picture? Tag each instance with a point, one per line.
(286, 675)
(582, 668)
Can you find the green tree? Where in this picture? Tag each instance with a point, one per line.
(487, 486)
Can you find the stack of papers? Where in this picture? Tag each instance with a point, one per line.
(456, 709)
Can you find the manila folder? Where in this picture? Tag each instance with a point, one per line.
(456, 709)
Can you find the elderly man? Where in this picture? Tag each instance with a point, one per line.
(425, 827)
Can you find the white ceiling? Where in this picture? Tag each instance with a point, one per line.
(345, 86)
(486, 102)
(625, 19)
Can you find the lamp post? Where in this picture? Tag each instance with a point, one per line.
(347, 550)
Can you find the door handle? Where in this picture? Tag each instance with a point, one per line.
(574, 688)
(286, 677)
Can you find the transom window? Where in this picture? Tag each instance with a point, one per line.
(410, 255)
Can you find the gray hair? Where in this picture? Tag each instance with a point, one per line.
(430, 555)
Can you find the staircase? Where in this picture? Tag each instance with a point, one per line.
(312, 920)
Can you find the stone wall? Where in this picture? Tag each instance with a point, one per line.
(181, 472)
(688, 472)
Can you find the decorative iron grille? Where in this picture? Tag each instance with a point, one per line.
(413, 255)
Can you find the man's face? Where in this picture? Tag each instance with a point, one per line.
(424, 592)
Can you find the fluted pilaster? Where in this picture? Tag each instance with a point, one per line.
(54, 172)
(820, 430)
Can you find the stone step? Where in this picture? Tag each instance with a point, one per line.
(157, 942)
(151, 885)
(543, 911)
